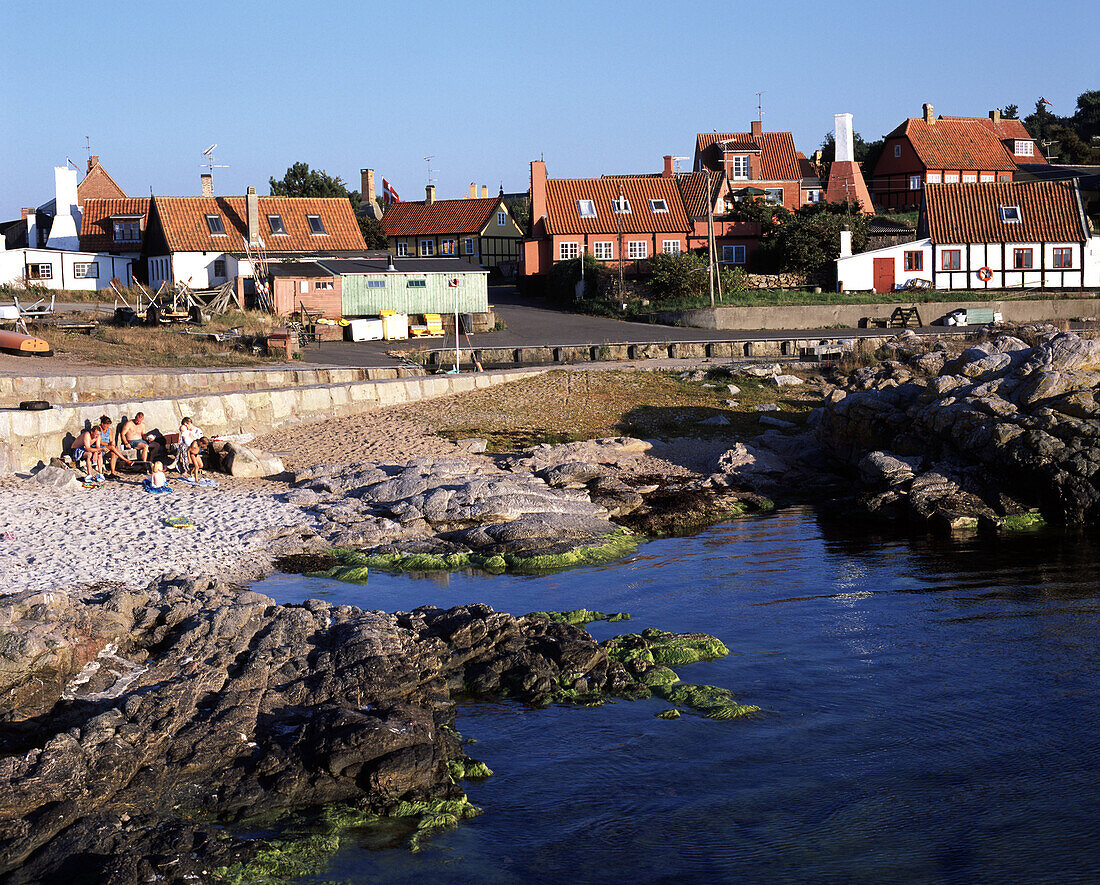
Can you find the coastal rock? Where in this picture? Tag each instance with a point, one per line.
(58, 477)
(242, 460)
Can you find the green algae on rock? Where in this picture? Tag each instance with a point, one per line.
(281, 860)
(1021, 522)
(580, 617)
(709, 700)
(468, 769)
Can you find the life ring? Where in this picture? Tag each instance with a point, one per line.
(985, 274)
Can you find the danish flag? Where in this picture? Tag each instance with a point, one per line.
(389, 193)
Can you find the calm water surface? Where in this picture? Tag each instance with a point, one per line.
(931, 715)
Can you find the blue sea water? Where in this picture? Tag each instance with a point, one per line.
(930, 716)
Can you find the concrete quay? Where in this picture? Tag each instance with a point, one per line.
(28, 437)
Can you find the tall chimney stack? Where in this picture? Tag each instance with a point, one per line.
(93, 160)
(252, 213)
(429, 194)
(843, 139)
(928, 115)
(366, 188)
(207, 184)
(757, 127)
(473, 191)
(485, 192)
(667, 172)
(995, 116)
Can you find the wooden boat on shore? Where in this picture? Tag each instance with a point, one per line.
(23, 345)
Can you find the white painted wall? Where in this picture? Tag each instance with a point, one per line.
(1001, 259)
(1092, 262)
(857, 273)
(66, 220)
(13, 265)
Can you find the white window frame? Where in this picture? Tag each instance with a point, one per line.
(452, 243)
(658, 206)
(215, 225)
(416, 284)
(733, 254)
(914, 182)
(770, 195)
(813, 196)
(427, 248)
(950, 177)
(322, 284)
(603, 249)
(502, 218)
(1011, 215)
(403, 249)
(986, 177)
(281, 232)
(741, 167)
(970, 177)
(624, 209)
(568, 251)
(86, 270)
(637, 250)
(670, 247)
(932, 178)
(316, 226)
(38, 271)
(1024, 148)
(1066, 253)
(586, 208)
(469, 246)
(376, 284)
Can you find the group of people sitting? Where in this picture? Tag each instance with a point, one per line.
(97, 445)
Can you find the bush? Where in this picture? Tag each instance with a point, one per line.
(677, 276)
(565, 275)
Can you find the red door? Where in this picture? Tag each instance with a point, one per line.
(884, 274)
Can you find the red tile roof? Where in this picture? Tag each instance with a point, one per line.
(96, 229)
(778, 158)
(693, 190)
(964, 143)
(562, 195)
(465, 216)
(98, 185)
(183, 220)
(1050, 212)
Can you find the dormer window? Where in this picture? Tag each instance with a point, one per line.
(620, 207)
(275, 222)
(316, 226)
(658, 205)
(1024, 148)
(126, 230)
(740, 167)
(586, 208)
(1011, 214)
(214, 223)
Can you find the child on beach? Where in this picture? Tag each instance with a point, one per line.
(156, 481)
(194, 459)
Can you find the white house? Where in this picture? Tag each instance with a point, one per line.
(988, 235)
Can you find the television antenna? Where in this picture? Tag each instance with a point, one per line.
(760, 108)
(210, 164)
(88, 145)
(431, 172)
(676, 162)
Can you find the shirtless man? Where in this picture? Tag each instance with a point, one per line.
(135, 435)
(86, 449)
(107, 446)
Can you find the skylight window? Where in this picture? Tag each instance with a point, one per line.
(316, 226)
(1011, 214)
(621, 207)
(275, 222)
(586, 208)
(214, 222)
(658, 205)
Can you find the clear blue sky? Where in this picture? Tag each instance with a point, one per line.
(485, 87)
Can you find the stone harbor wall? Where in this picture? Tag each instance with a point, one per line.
(29, 437)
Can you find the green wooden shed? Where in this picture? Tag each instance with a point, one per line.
(410, 285)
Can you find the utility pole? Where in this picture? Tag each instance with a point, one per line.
(619, 228)
(710, 242)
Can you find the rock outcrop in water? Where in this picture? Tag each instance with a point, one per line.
(134, 722)
(990, 436)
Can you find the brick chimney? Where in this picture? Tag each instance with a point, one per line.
(757, 127)
(473, 191)
(667, 172)
(429, 194)
(928, 115)
(252, 215)
(207, 184)
(93, 160)
(995, 116)
(538, 190)
(485, 192)
(366, 187)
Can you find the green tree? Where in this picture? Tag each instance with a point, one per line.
(809, 241)
(520, 207)
(1010, 111)
(866, 152)
(1086, 120)
(301, 181)
(678, 276)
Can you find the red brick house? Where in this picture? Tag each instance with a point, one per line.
(632, 216)
(949, 150)
(114, 225)
(766, 161)
(734, 241)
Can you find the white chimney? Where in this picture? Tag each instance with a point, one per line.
(63, 233)
(845, 145)
(30, 218)
(845, 244)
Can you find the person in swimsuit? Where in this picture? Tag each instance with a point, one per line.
(133, 434)
(86, 449)
(107, 446)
